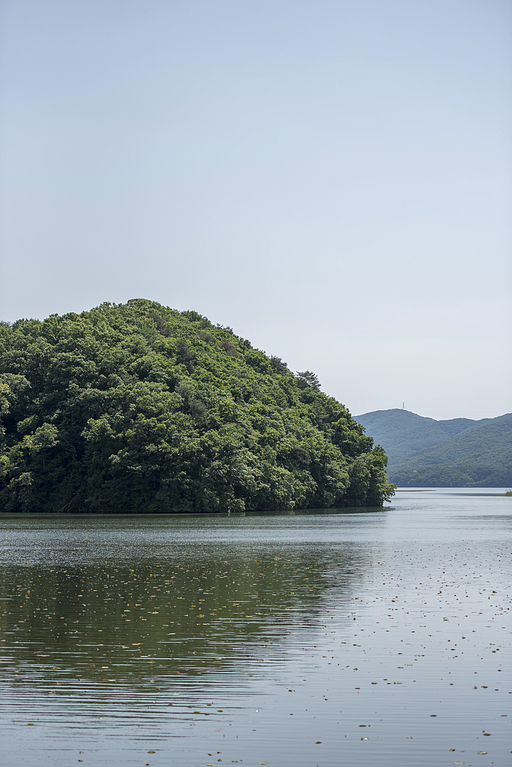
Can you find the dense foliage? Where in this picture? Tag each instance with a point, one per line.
(138, 407)
(456, 453)
(492, 469)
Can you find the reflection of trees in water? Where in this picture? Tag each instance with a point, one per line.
(165, 618)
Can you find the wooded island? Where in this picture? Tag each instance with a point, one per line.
(141, 408)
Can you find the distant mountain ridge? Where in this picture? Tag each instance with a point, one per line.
(460, 452)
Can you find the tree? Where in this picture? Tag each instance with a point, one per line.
(138, 407)
(307, 378)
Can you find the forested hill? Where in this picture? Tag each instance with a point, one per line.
(453, 453)
(141, 408)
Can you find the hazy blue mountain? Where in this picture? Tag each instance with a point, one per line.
(455, 453)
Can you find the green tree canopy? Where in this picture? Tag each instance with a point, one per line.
(138, 407)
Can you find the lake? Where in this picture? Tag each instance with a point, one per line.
(362, 637)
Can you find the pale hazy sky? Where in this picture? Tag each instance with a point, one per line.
(332, 179)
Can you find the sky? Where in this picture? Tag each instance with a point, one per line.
(330, 178)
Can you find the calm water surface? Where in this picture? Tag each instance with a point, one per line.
(377, 637)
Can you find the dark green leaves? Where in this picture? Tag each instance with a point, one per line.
(137, 407)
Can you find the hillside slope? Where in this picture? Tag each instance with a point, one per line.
(457, 453)
(138, 407)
